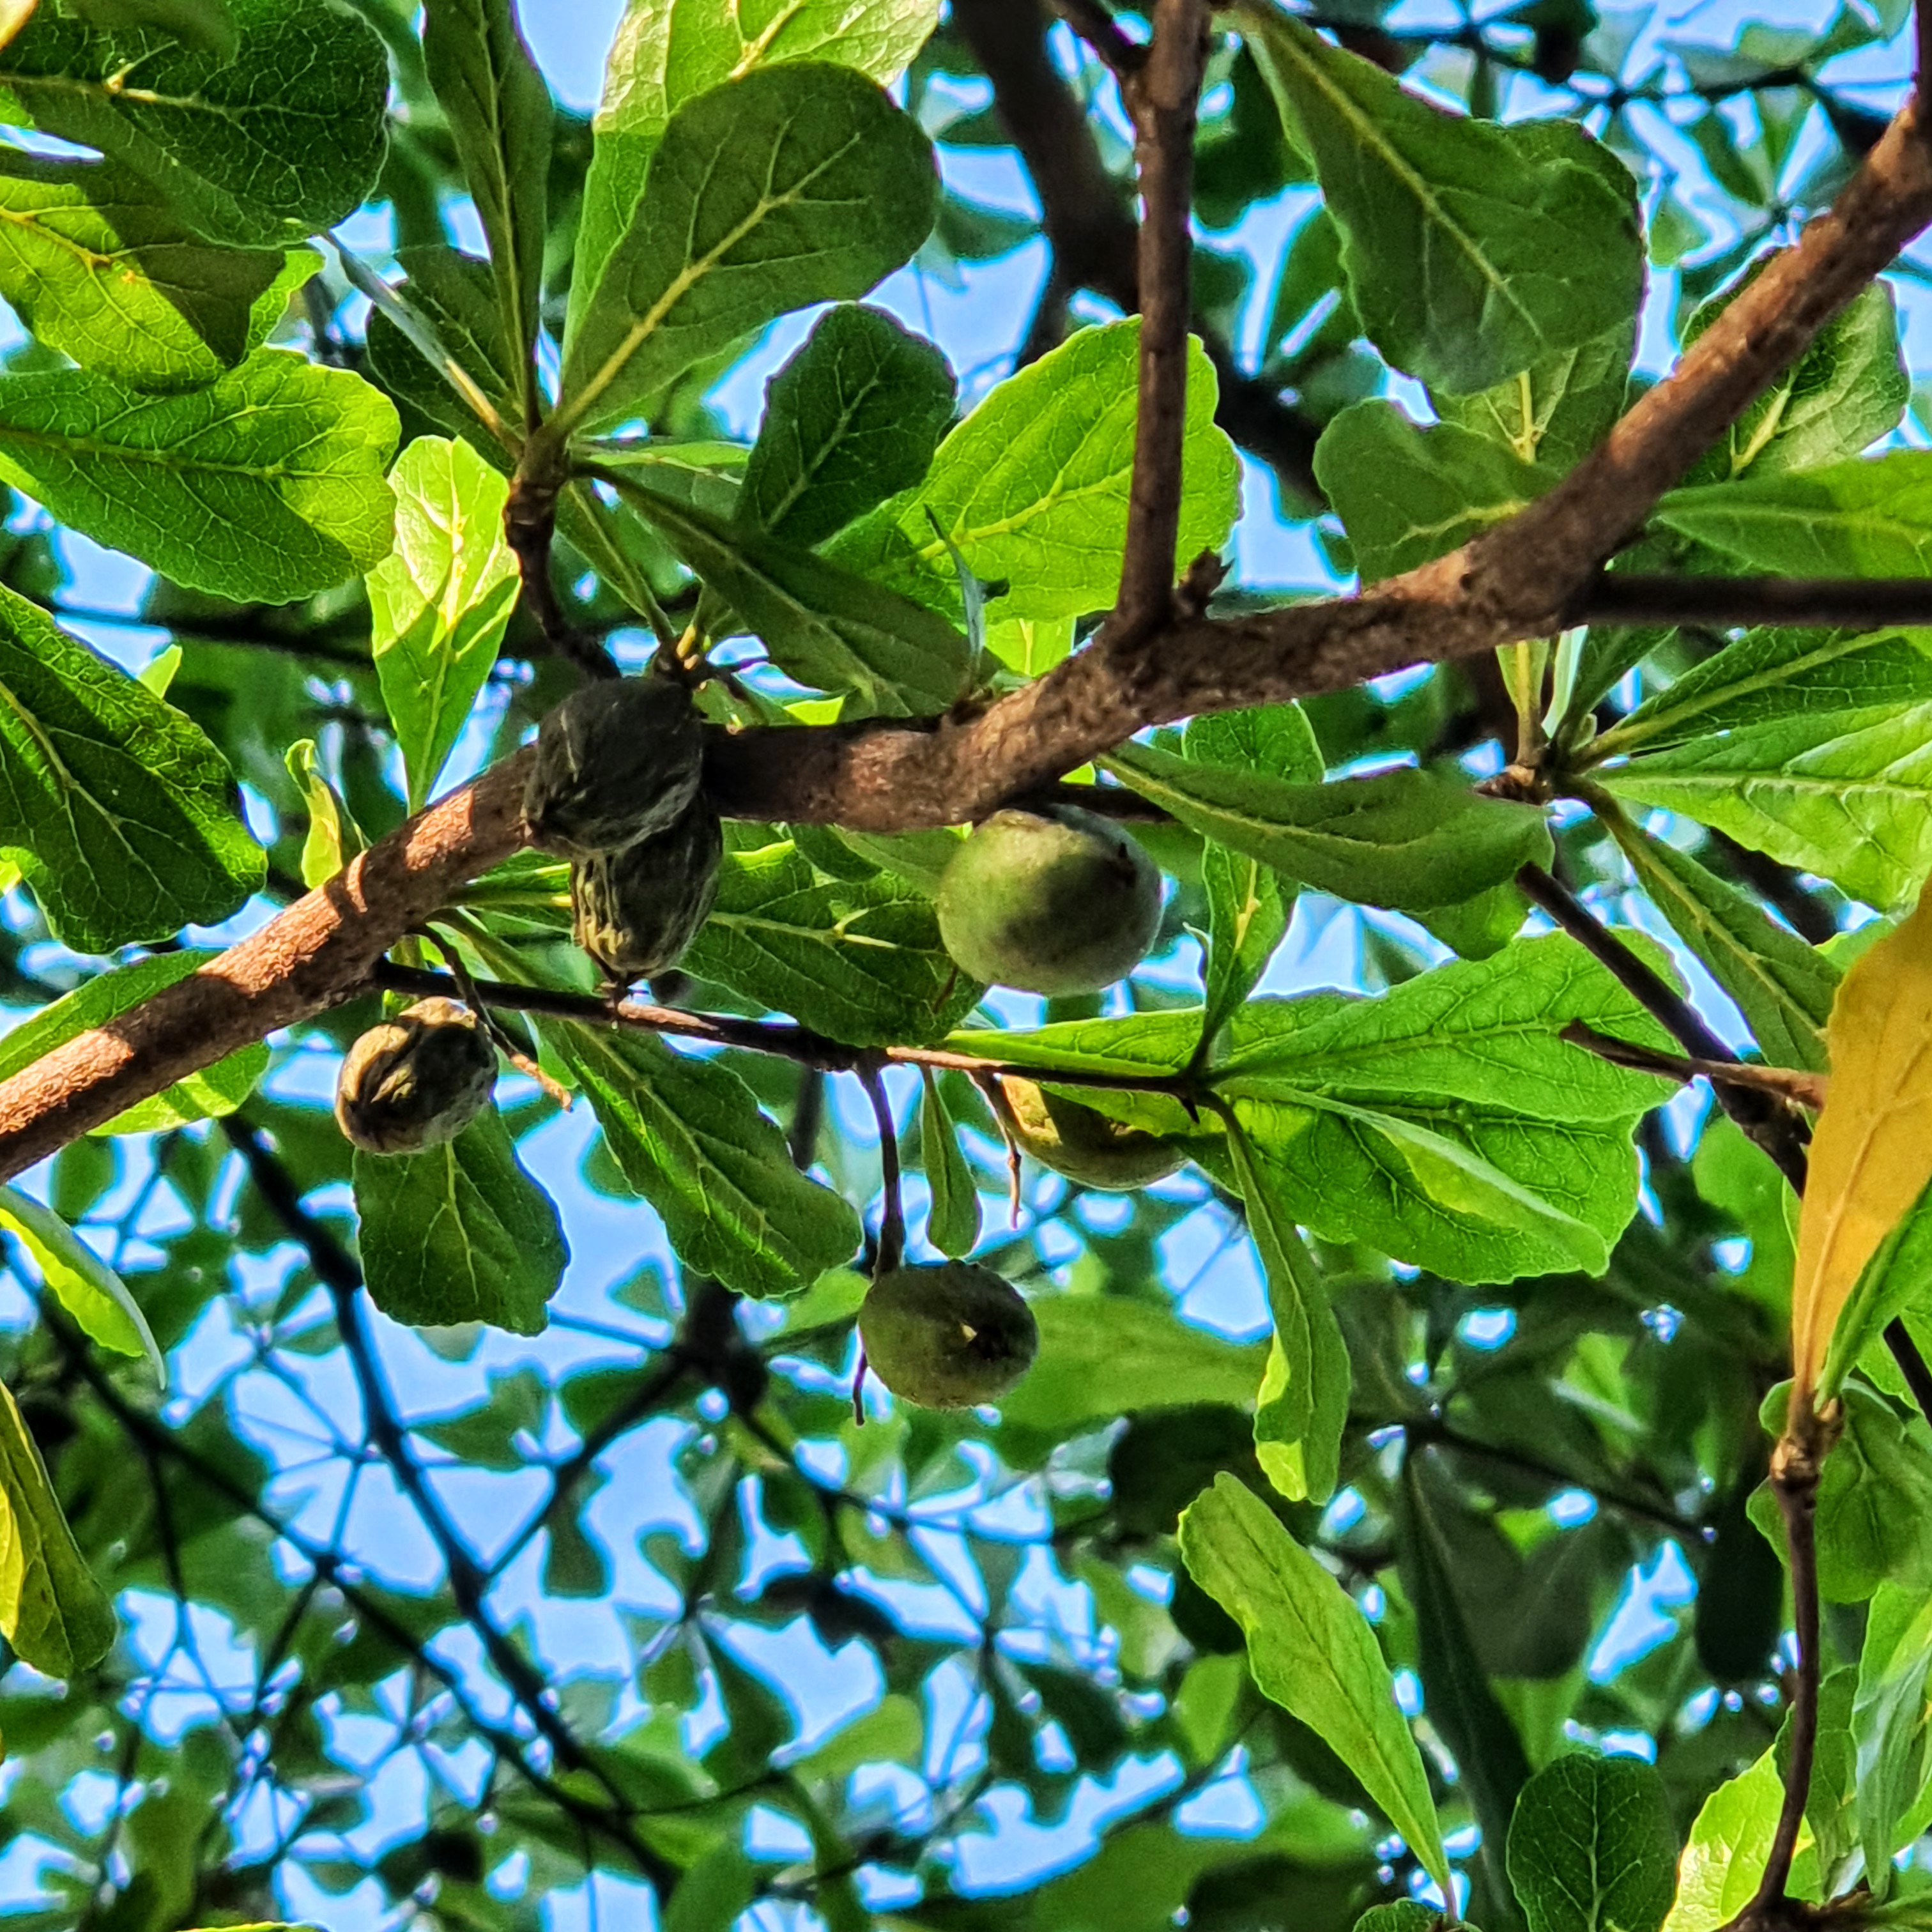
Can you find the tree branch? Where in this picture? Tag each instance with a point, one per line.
(1514, 582)
(1766, 1118)
(1858, 603)
(1085, 213)
(1163, 94)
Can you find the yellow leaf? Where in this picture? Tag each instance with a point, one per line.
(1871, 1156)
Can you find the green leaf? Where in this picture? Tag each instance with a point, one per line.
(792, 185)
(1848, 389)
(858, 960)
(333, 838)
(1784, 987)
(80, 1280)
(215, 1091)
(499, 110)
(459, 1233)
(952, 1222)
(853, 418)
(454, 298)
(264, 487)
(98, 265)
(52, 1611)
(1248, 908)
(1102, 1356)
(1591, 1847)
(1447, 1121)
(1869, 517)
(1032, 487)
(1405, 838)
(1554, 413)
(259, 151)
(1407, 494)
(1874, 1499)
(1809, 745)
(689, 1136)
(1888, 1722)
(120, 812)
(821, 625)
(1311, 1652)
(1303, 1406)
(1472, 250)
(440, 601)
(1729, 1848)
(668, 51)
(1404, 1915)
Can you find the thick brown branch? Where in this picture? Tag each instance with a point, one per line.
(1516, 582)
(317, 953)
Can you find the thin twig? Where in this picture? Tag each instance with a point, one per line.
(469, 1581)
(780, 1037)
(891, 1216)
(1095, 24)
(1784, 1083)
(1163, 95)
(1769, 1122)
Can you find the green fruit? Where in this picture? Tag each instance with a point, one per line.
(416, 1081)
(635, 910)
(1059, 901)
(950, 1337)
(616, 762)
(1080, 1143)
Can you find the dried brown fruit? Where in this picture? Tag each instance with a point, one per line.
(635, 910)
(949, 1336)
(417, 1080)
(1058, 901)
(1083, 1145)
(616, 762)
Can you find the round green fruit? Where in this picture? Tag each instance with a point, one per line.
(617, 761)
(1083, 1145)
(950, 1337)
(634, 910)
(1058, 901)
(416, 1081)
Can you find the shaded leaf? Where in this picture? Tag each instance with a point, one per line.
(459, 1233)
(122, 814)
(1591, 1847)
(52, 1611)
(1312, 1651)
(953, 1224)
(1403, 839)
(499, 109)
(820, 624)
(1472, 250)
(853, 418)
(689, 1137)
